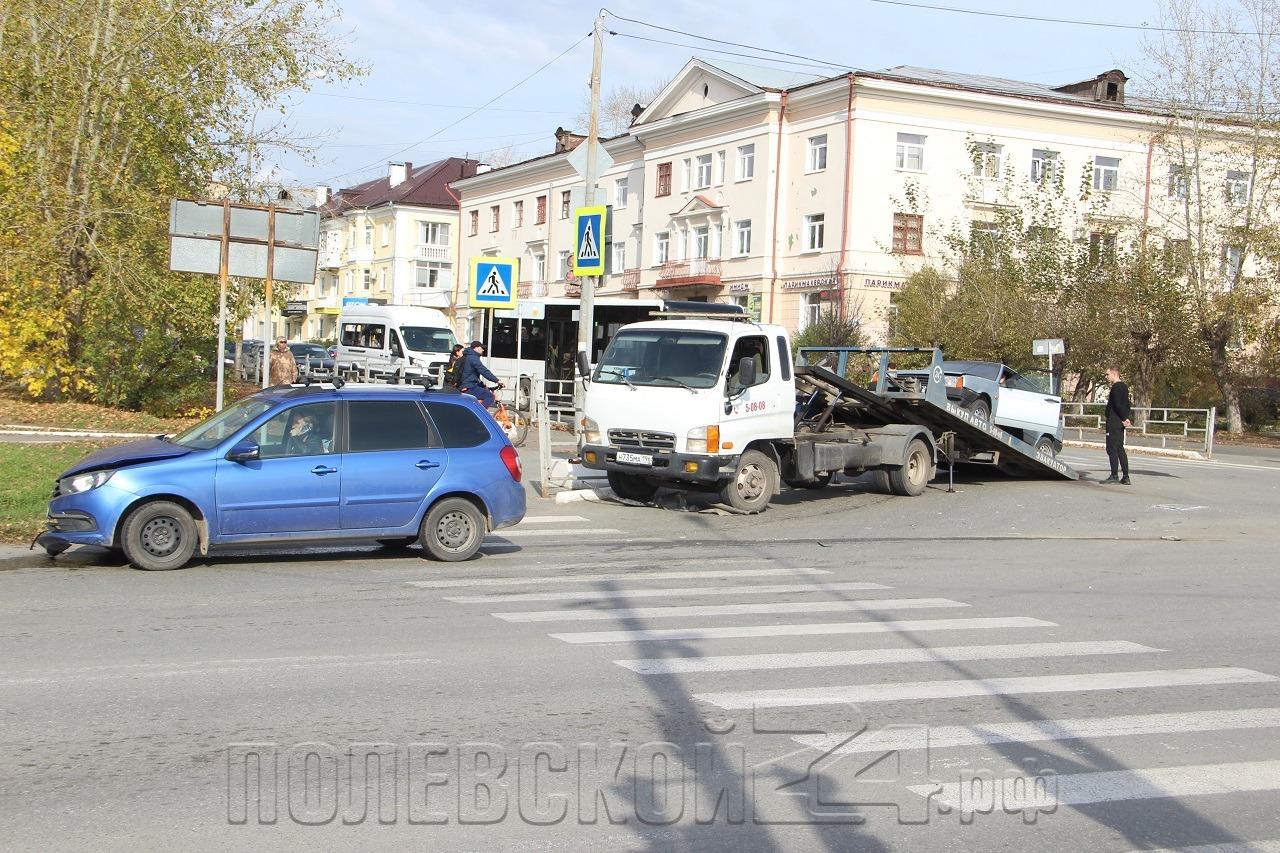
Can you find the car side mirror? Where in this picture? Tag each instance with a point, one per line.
(747, 372)
(584, 366)
(244, 451)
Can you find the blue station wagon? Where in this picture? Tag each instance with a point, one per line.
(292, 464)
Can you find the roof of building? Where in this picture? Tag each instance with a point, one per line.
(423, 186)
(999, 86)
(775, 79)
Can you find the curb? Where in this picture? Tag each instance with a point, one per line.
(14, 429)
(588, 494)
(1139, 448)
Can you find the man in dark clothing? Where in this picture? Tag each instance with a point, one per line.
(472, 371)
(1119, 416)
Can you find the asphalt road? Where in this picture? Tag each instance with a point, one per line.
(1049, 666)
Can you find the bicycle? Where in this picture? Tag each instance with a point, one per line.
(514, 423)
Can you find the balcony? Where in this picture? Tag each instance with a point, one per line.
(524, 289)
(434, 253)
(631, 279)
(698, 271)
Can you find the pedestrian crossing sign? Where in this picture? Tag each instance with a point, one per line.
(493, 282)
(590, 224)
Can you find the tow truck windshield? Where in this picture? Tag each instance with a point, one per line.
(662, 357)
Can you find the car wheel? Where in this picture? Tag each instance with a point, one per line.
(911, 479)
(981, 409)
(159, 536)
(753, 483)
(631, 487)
(1045, 444)
(452, 530)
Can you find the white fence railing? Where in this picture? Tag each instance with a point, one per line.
(1168, 428)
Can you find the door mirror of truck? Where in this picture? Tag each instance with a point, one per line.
(584, 366)
(244, 451)
(747, 372)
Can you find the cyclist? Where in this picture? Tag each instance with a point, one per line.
(473, 370)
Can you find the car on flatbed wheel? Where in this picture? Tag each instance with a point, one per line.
(304, 464)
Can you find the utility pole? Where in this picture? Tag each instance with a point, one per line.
(586, 309)
(222, 303)
(267, 343)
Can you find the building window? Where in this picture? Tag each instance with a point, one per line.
(908, 234)
(983, 238)
(1177, 182)
(817, 157)
(433, 274)
(703, 176)
(720, 168)
(810, 308)
(664, 179)
(1232, 261)
(746, 169)
(562, 267)
(1102, 247)
(1237, 188)
(815, 228)
(987, 160)
(742, 237)
(1106, 173)
(367, 280)
(619, 257)
(386, 233)
(661, 247)
(540, 211)
(368, 234)
(539, 269)
(686, 174)
(910, 153)
(565, 203)
(495, 217)
(620, 194)
(701, 242)
(517, 209)
(475, 223)
(1045, 166)
(437, 233)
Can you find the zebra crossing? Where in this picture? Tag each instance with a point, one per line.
(654, 608)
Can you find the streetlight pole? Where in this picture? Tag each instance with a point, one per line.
(586, 308)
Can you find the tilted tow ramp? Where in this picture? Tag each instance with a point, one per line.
(889, 399)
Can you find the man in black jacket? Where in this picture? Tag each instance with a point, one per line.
(1119, 416)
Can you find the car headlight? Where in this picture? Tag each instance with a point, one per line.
(703, 439)
(83, 482)
(590, 431)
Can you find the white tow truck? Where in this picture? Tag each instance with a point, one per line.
(705, 399)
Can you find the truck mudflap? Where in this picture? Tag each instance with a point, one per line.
(884, 405)
(659, 464)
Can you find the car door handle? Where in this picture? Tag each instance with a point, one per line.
(1052, 400)
(426, 464)
(321, 470)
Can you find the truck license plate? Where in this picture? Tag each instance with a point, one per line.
(635, 458)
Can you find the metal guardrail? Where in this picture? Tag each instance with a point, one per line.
(1167, 428)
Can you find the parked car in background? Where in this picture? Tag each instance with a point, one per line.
(996, 393)
(332, 349)
(313, 360)
(388, 464)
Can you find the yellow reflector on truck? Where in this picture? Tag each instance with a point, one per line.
(691, 467)
(713, 439)
(590, 456)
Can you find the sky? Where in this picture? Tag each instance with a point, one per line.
(431, 62)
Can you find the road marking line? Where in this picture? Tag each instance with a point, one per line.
(862, 657)
(1269, 846)
(1163, 460)
(638, 574)
(727, 609)
(817, 628)
(894, 692)
(509, 532)
(550, 519)
(217, 667)
(1110, 786)
(673, 592)
(1130, 725)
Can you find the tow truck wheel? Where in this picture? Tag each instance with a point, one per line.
(911, 479)
(753, 484)
(631, 487)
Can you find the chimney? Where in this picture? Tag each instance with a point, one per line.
(567, 140)
(398, 173)
(636, 110)
(322, 195)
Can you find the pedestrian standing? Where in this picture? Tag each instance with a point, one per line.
(284, 370)
(1119, 416)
